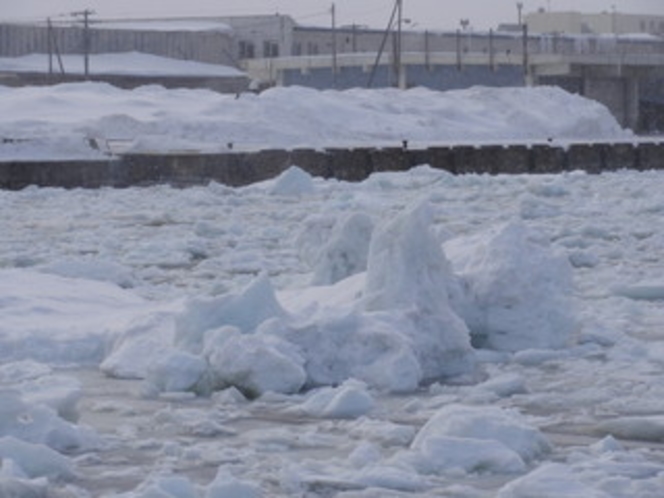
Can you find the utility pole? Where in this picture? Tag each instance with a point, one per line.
(379, 54)
(53, 47)
(399, 54)
(86, 37)
(49, 36)
(335, 66)
(526, 70)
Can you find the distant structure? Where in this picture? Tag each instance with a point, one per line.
(604, 23)
(612, 57)
(208, 42)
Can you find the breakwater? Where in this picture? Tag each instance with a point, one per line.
(237, 168)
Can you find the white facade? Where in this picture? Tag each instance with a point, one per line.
(603, 23)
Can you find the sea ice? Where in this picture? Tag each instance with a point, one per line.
(518, 292)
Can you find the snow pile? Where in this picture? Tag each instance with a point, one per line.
(56, 122)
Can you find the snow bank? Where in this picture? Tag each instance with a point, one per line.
(56, 121)
(518, 292)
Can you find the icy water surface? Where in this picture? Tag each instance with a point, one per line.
(164, 245)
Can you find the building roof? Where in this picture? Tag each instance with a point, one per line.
(175, 24)
(126, 63)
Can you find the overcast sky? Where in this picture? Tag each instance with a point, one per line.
(432, 14)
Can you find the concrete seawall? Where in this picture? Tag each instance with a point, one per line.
(244, 168)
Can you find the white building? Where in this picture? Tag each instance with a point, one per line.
(613, 22)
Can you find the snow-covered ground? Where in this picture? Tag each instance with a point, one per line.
(57, 122)
(416, 334)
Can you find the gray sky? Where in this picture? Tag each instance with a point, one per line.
(432, 14)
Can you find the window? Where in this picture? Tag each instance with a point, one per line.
(247, 50)
(270, 49)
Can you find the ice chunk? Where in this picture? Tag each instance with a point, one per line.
(643, 292)
(145, 342)
(551, 480)
(36, 460)
(293, 182)
(23, 488)
(440, 455)
(504, 385)
(178, 371)
(258, 364)
(487, 423)
(102, 271)
(19, 371)
(646, 428)
(227, 486)
(340, 345)
(408, 271)
(59, 392)
(245, 311)
(40, 424)
(518, 290)
(346, 252)
(350, 400)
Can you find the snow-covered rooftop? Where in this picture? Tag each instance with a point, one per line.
(124, 63)
(166, 25)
